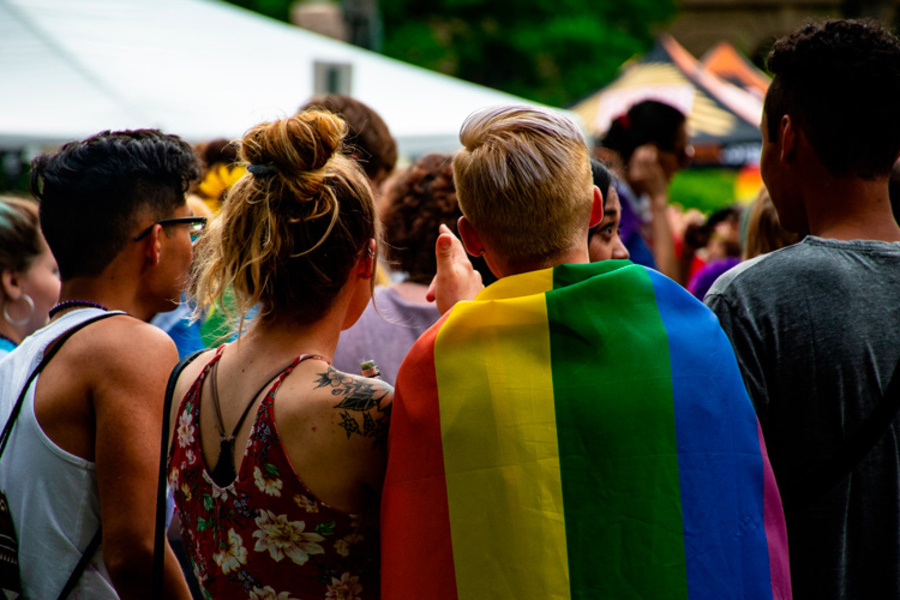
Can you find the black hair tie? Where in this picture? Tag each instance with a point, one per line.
(262, 169)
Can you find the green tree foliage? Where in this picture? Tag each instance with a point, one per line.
(277, 9)
(552, 51)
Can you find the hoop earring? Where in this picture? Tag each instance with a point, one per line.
(20, 322)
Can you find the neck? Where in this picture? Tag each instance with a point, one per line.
(280, 340)
(574, 256)
(94, 290)
(851, 208)
(10, 332)
(412, 292)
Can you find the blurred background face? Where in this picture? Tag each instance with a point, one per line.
(604, 242)
(679, 156)
(41, 282)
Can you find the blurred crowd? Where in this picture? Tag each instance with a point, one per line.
(294, 365)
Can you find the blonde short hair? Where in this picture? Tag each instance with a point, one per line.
(523, 180)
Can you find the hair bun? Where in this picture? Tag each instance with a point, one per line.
(302, 143)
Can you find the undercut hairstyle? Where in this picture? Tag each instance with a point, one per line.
(292, 228)
(647, 122)
(839, 81)
(93, 193)
(368, 137)
(523, 179)
(416, 204)
(20, 234)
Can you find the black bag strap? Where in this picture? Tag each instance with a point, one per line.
(81, 566)
(827, 475)
(156, 590)
(53, 349)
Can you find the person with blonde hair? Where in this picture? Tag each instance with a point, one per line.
(574, 429)
(498, 163)
(764, 231)
(29, 278)
(276, 459)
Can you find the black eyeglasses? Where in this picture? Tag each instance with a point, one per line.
(195, 226)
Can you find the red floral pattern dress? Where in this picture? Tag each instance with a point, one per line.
(266, 536)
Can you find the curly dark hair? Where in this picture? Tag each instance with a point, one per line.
(416, 204)
(93, 193)
(839, 80)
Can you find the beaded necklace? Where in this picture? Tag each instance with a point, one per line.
(72, 304)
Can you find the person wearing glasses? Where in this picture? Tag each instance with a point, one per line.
(84, 449)
(276, 459)
(195, 226)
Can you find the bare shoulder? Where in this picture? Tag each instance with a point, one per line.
(355, 392)
(359, 408)
(122, 347)
(122, 337)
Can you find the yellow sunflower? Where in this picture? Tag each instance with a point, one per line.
(217, 181)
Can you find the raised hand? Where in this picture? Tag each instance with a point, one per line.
(455, 279)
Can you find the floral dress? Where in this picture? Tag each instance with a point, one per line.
(266, 536)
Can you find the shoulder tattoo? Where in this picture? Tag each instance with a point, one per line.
(357, 399)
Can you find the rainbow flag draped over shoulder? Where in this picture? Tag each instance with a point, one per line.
(578, 432)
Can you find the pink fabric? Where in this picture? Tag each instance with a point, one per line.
(776, 530)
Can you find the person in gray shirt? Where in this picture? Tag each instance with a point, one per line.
(816, 326)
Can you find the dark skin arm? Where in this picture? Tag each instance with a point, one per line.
(127, 398)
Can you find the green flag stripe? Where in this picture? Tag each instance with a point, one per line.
(617, 444)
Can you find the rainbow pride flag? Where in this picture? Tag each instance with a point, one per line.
(578, 432)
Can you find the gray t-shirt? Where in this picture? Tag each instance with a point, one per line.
(816, 331)
(385, 335)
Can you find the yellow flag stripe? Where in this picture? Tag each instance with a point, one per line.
(486, 470)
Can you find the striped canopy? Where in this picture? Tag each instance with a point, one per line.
(723, 118)
(724, 61)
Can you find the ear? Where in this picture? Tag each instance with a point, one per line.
(152, 247)
(470, 238)
(788, 139)
(9, 280)
(366, 264)
(596, 208)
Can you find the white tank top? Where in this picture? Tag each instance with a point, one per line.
(52, 494)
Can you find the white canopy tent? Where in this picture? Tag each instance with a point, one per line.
(201, 69)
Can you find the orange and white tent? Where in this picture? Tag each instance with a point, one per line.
(724, 61)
